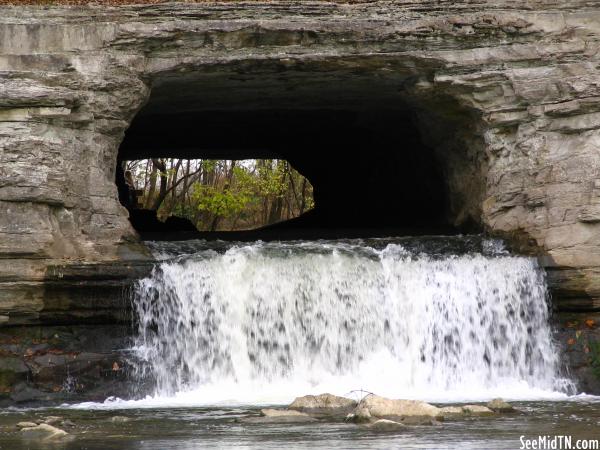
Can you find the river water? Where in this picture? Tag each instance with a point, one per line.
(216, 428)
(224, 328)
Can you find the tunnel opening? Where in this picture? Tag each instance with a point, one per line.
(169, 194)
(381, 161)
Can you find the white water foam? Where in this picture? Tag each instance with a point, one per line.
(264, 323)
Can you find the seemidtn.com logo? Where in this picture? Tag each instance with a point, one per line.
(559, 442)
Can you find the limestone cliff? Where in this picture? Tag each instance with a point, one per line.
(517, 82)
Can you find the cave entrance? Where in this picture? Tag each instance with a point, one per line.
(381, 160)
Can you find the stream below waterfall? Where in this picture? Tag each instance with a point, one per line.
(224, 329)
(218, 428)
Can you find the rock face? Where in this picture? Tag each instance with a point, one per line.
(63, 363)
(524, 162)
(505, 93)
(579, 336)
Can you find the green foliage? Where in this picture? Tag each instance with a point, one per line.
(219, 202)
(209, 165)
(226, 195)
(270, 179)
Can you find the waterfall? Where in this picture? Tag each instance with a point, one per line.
(438, 319)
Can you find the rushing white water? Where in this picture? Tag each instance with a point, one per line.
(263, 323)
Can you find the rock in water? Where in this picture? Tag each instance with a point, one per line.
(374, 406)
(43, 432)
(499, 405)
(51, 420)
(452, 411)
(477, 410)
(26, 424)
(361, 414)
(119, 419)
(324, 405)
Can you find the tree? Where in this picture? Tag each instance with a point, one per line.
(221, 194)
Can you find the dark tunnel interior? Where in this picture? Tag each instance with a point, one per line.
(356, 140)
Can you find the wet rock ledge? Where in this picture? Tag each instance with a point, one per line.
(55, 364)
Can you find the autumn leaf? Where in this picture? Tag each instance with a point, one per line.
(115, 366)
(571, 341)
(590, 323)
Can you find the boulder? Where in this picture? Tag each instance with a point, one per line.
(52, 420)
(477, 410)
(26, 424)
(421, 420)
(374, 406)
(43, 432)
(361, 414)
(500, 406)
(119, 419)
(386, 425)
(452, 411)
(324, 405)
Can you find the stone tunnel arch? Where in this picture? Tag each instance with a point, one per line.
(383, 154)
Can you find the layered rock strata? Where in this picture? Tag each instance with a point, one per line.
(505, 92)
